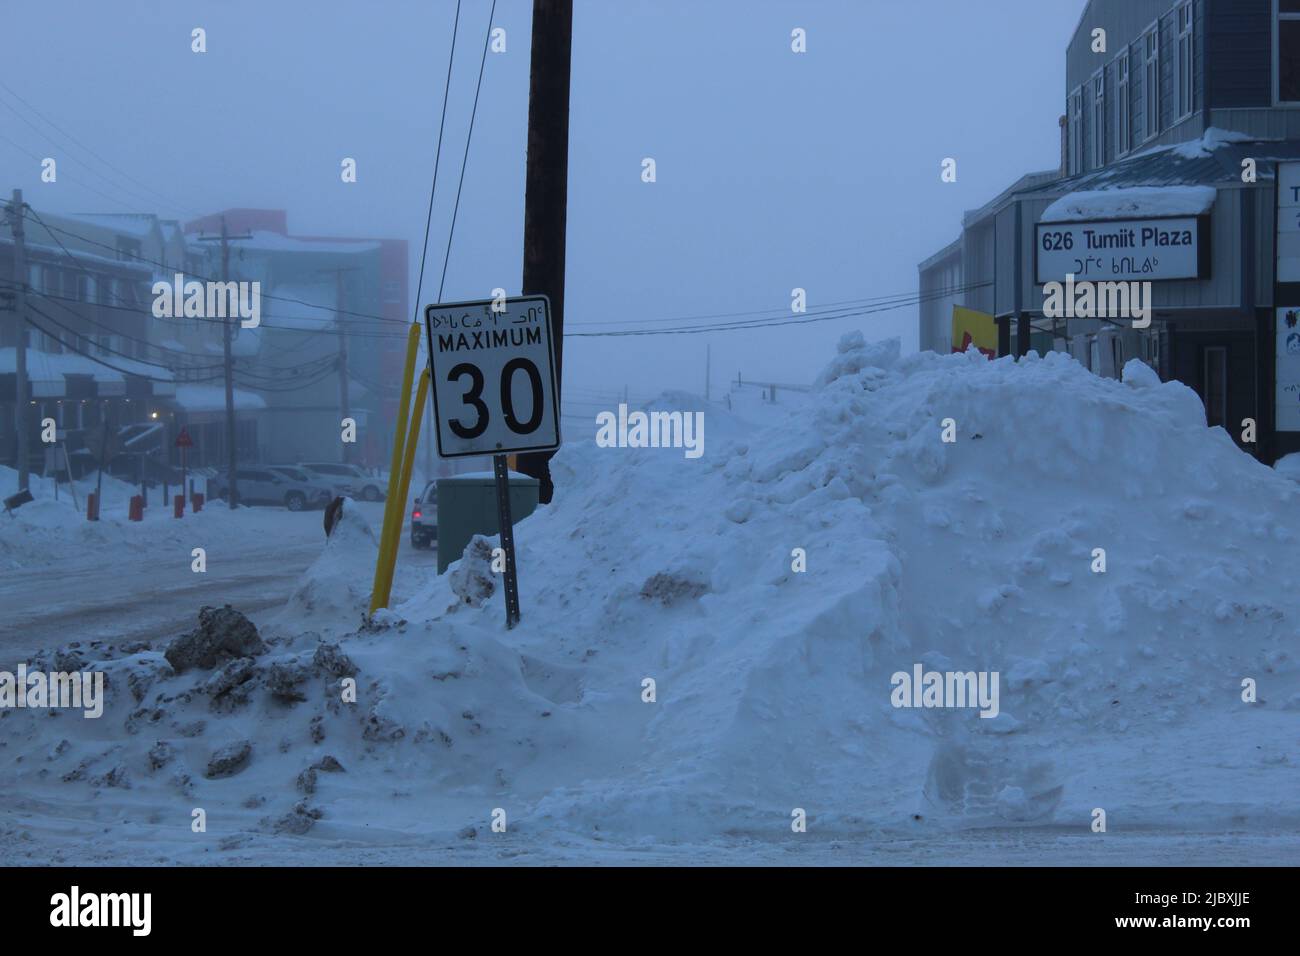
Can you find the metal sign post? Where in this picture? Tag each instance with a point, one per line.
(501, 471)
(492, 370)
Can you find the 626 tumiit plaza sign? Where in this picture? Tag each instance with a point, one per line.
(1153, 250)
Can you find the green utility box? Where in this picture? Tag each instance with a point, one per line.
(467, 505)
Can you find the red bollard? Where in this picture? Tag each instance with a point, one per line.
(178, 506)
(197, 501)
(136, 512)
(92, 507)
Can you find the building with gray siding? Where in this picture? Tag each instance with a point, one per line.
(1183, 98)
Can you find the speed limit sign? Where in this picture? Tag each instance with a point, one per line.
(493, 368)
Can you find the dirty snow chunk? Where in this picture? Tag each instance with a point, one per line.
(472, 580)
(331, 659)
(1138, 374)
(284, 677)
(298, 820)
(222, 634)
(669, 589)
(229, 760)
(160, 754)
(232, 675)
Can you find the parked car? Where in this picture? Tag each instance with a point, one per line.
(262, 486)
(351, 479)
(424, 517)
(329, 489)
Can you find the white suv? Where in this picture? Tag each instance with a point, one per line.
(352, 480)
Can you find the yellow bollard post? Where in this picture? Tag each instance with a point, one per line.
(392, 504)
(388, 555)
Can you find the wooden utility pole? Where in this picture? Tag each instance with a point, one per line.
(345, 403)
(546, 186)
(232, 492)
(16, 213)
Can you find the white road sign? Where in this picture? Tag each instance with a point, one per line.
(1121, 250)
(493, 376)
(1288, 222)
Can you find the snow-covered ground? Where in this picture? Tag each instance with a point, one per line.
(1120, 690)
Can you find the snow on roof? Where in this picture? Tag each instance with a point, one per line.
(80, 256)
(212, 398)
(134, 224)
(264, 241)
(1213, 139)
(51, 366)
(1131, 203)
(312, 308)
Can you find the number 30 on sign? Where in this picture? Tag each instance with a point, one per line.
(493, 368)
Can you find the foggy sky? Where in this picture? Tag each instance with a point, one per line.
(775, 170)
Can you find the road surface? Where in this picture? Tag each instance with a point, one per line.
(112, 594)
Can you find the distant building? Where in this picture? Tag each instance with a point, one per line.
(323, 298)
(89, 361)
(1144, 127)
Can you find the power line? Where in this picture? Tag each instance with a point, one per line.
(437, 159)
(150, 199)
(106, 328)
(99, 361)
(775, 312)
(469, 136)
(766, 324)
(116, 202)
(163, 265)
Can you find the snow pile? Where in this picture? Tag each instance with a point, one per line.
(709, 645)
(1135, 202)
(334, 593)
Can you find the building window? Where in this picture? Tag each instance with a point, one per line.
(1151, 83)
(392, 290)
(1216, 386)
(128, 250)
(1076, 131)
(1286, 51)
(1186, 61)
(1123, 107)
(1099, 119)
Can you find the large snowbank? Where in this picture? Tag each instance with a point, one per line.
(1120, 690)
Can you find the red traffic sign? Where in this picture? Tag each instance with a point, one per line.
(183, 440)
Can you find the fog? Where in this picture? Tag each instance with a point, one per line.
(774, 170)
